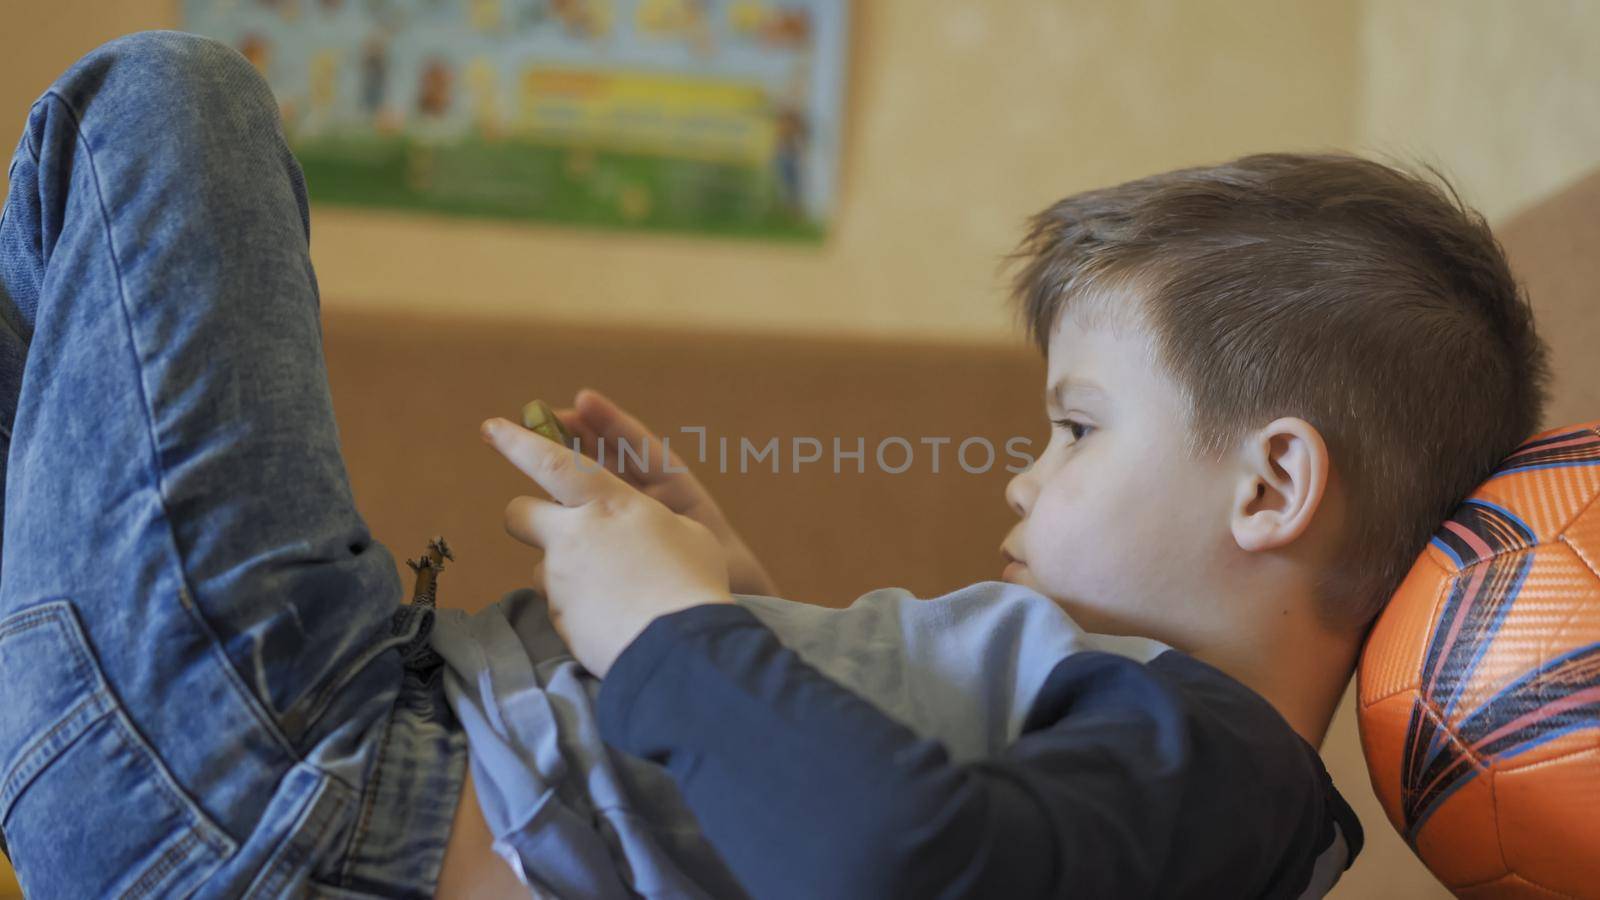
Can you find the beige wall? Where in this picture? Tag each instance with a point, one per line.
(1506, 96)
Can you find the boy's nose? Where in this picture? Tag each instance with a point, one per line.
(1019, 493)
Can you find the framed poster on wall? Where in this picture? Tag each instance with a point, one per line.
(711, 116)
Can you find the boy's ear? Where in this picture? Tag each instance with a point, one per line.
(1283, 475)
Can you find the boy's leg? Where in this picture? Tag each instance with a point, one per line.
(202, 664)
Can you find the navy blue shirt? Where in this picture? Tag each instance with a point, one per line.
(1130, 779)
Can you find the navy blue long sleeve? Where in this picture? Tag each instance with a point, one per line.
(1130, 779)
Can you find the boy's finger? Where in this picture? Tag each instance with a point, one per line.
(590, 443)
(578, 428)
(608, 420)
(534, 522)
(551, 466)
(612, 424)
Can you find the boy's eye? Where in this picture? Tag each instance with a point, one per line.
(1074, 428)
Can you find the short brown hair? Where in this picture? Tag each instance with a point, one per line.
(1367, 300)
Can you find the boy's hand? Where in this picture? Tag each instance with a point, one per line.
(594, 418)
(614, 559)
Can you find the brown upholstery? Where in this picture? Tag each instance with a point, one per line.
(409, 395)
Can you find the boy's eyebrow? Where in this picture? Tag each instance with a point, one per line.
(1070, 385)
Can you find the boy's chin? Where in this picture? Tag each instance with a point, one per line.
(1019, 574)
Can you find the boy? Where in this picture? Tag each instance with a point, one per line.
(224, 657)
(1269, 382)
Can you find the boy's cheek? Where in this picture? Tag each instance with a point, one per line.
(1050, 569)
(1028, 580)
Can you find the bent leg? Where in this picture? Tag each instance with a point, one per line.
(180, 546)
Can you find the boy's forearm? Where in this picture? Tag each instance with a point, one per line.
(805, 788)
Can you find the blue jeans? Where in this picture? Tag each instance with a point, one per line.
(209, 682)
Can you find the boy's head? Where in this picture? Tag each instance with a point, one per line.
(1303, 364)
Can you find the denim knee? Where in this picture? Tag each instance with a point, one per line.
(194, 85)
(175, 115)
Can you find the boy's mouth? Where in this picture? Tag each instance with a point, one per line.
(1012, 565)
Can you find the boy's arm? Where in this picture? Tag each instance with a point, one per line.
(1129, 779)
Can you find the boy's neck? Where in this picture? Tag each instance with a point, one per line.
(1300, 667)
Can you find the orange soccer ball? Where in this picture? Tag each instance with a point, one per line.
(1480, 683)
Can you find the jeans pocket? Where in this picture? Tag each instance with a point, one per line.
(87, 806)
